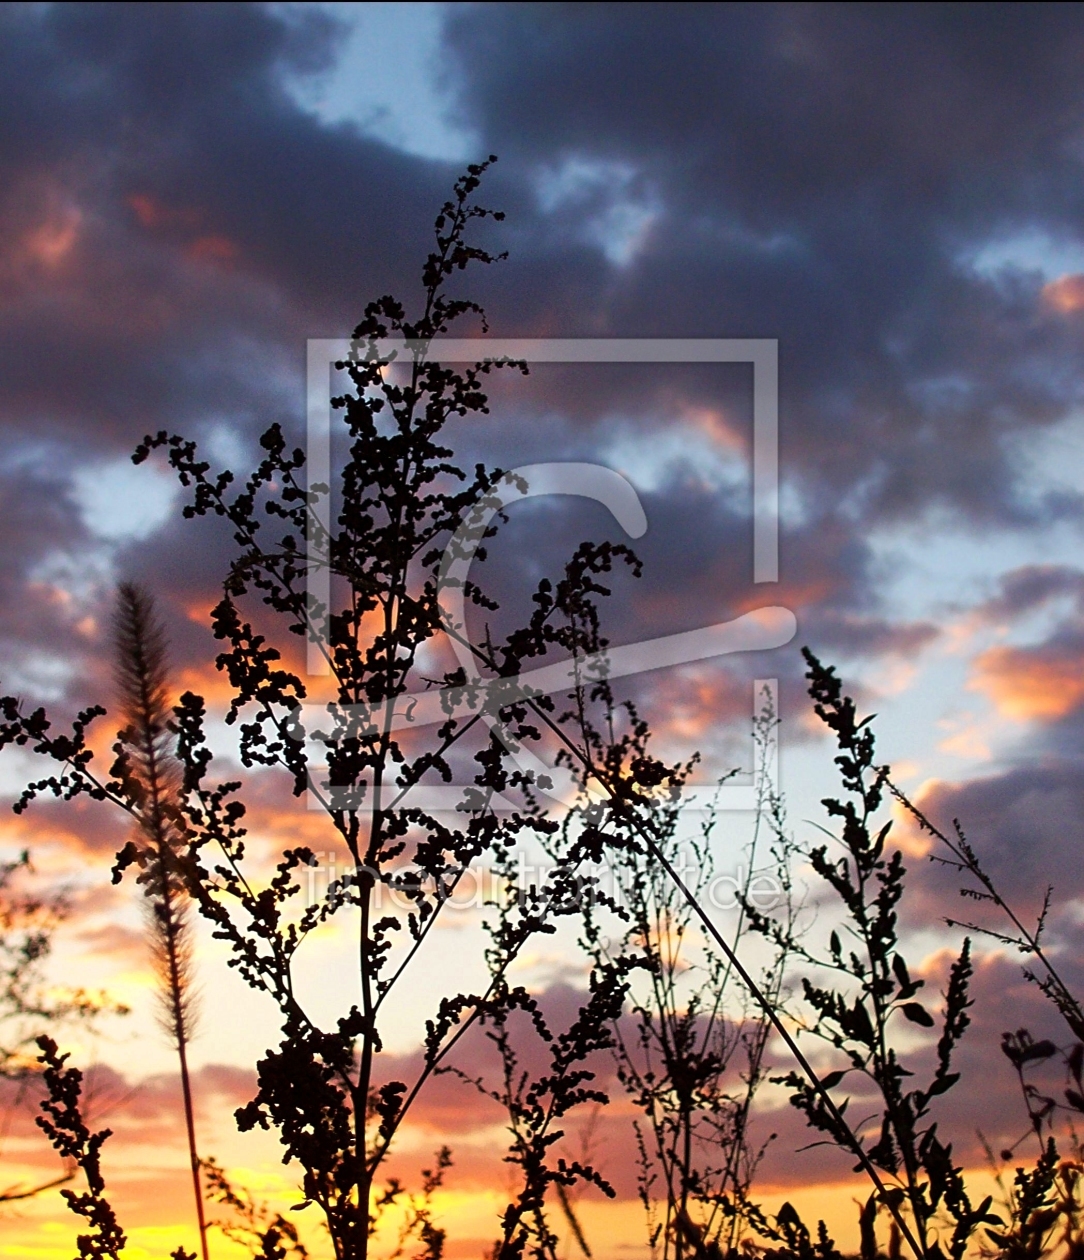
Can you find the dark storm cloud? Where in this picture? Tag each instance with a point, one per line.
(176, 226)
(169, 209)
(819, 169)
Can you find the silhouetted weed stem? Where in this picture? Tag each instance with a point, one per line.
(29, 1003)
(1027, 941)
(63, 1124)
(267, 1234)
(146, 765)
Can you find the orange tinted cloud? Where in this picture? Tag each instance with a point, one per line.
(1066, 294)
(691, 702)
(52, 241)
(199, 610)
(216, 249)
(206, 681)
(1030, 684)
(716, 425)
(114, 940)
(150, 213)
(43, 225)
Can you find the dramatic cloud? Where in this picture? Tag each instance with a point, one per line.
(896, 195)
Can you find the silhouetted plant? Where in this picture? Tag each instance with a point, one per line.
(616, 763)
(152, 776)
(63, 1124)
(1028, 941)
(1033, 1210)
(693, 1059)
(876, 990)
(406, 515)
(1019, 1046)
(266, 1234)
(1043, 1207)
(540, 1105)
(29, 1003)
(1045, 1200)
(402, 499)
(62, 1121)
(794, 1240)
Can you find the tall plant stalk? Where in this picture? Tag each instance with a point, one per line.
(146, 762)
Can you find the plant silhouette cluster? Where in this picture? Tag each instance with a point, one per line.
(401, 501)
(250, 1222)
(671, 1017)
(873, 990)
(62, 1122)
(29, 1002)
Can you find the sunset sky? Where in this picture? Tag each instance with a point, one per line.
(896, 193)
